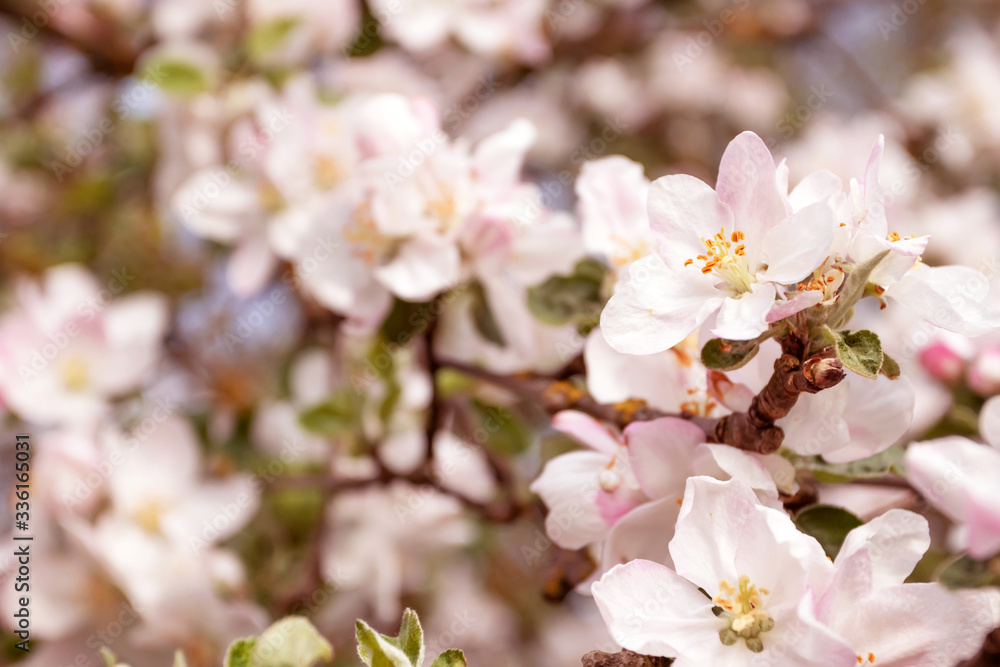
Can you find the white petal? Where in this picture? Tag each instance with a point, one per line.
(949, 297)
(568, 485)
(796, 246)
(650, 610)
(725, 462)
(682, 211)
(877, 414)
(895, 542)
(657, 308)
(745, 317)
(645, 533)
(989, 421)
(422, 269)
(814, 188)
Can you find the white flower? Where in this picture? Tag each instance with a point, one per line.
(722, 252)
(70, 346)
(769, 596)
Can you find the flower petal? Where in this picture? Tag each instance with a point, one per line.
(796, 246)
(650, 610)
(989, 421)
(423, 268)
(660, 452)
(657, 308)
(645, 533)
(949, 297)
(745, 317)
(748, 184)
(682, 211)
(895, 542)
(587, 431)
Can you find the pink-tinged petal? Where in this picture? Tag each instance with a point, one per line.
(745, 317)
(875, 222)
(657, 308)
(919, 625)
(953, 474)
(421, 269)
(567, 486)
(723, 532)
(613, 505)
(949, 297)
(982, 525)
(802, 640)
(733, 395)
(895, 542)
(796, 304)
(650, 610)
(815, 187)
(587, 431)
(877, 414)
(989, 421)
(725, 462)
(660, 453)
(682, 211)
(613, 192)
(748, 184)
(645, 533)
(903, 255)
(796, 246)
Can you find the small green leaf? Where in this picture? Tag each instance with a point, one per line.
(407, 320)
(890, 368)
(963, 572)
(860, 351)
(853, 289)
(728, 355)
(239, 652)
(376, 650)
(411, 638)
(291, 642)
(335, 416)
(450, 658)
(879, 465)
(500, 430)
(108, 656)
(482, 317)
(575, 298)
(176, 76)
(267, 36)
(828, 524)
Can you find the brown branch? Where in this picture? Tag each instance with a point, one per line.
(755, 429)
(623, 658)
(103, 49)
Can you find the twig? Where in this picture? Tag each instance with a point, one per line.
(623, 658)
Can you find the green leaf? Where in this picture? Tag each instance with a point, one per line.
(239, 652)
(727, 355)
(963, 572)
(411, 638)
(575, 298)
(291, 642)
(407, 320)
(890, 368)
(860, 351)
(879, 465)
(108, 656)
(828, 524)
(336, 415)
(175, 76)
(450, 658)
(500, 430)
(265, 37)
(376, 650)
(482, 317)
(853, 289)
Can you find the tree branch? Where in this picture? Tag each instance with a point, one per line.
(623, 658)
